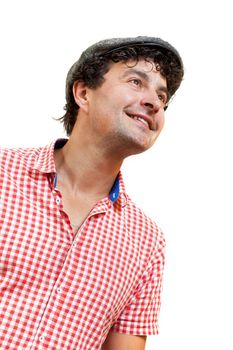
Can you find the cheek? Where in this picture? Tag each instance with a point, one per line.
(110, 102)
(121, 95)
(160, 122)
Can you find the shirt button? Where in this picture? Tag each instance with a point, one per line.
(59, 290)
(58, 200)
(41, 338)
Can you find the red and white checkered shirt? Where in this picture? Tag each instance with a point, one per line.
(60, 291)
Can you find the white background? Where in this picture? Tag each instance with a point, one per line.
(185, 181)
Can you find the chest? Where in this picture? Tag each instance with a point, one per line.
(102, 259)
(77, 208)
(91, 273)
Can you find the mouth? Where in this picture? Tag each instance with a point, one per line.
(142, 119)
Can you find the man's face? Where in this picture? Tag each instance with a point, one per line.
(127, 110)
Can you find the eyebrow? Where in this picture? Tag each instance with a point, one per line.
(144, 76)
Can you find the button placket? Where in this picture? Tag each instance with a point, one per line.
(59, 290)
(41, 338)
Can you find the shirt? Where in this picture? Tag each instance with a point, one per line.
(65, 291)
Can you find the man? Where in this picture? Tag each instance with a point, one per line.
(81, 265)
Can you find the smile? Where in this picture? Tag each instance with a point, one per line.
(142, 119)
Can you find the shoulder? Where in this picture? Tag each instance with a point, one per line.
(13, 159)
(143, 227)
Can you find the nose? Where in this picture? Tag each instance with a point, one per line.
(151, 102)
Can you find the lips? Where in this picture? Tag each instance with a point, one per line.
(144, 119)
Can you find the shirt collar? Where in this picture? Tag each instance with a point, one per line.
(118, 190)
(45, 163)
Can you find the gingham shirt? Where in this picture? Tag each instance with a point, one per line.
(60, 291)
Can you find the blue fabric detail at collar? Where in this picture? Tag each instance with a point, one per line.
(114, 193)
(55, 181)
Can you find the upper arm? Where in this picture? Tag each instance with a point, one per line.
(140, 314)
(116, 341)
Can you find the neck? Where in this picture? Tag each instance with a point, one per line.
(83, 168)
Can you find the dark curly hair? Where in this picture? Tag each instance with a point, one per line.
(93, 69)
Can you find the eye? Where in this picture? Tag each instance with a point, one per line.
(136, 81)
(163, 98)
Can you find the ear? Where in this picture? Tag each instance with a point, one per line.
(80, 94)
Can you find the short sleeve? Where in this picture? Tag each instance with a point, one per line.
(140, 316)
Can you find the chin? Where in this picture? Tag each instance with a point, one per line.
(138, 147)
(126, 145)
(144, 144)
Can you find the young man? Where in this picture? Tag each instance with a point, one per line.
(81, 266)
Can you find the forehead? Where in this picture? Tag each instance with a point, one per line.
(146, 67)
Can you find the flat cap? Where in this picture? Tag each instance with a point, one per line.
(110, 45)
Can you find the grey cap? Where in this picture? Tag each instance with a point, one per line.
(110, 45)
